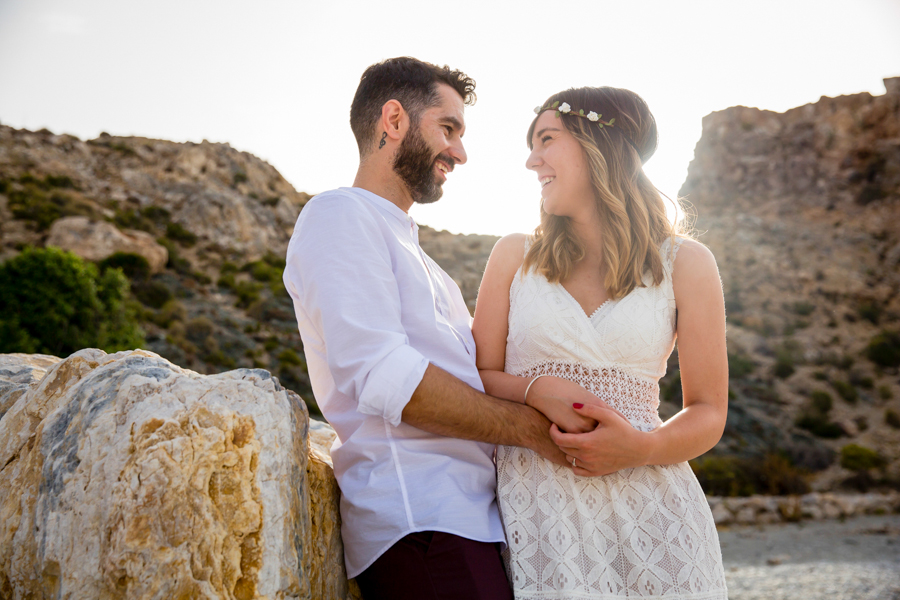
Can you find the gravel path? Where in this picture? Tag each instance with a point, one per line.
(858, 559)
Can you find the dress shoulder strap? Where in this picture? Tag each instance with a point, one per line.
(529, 240)
(667, 250)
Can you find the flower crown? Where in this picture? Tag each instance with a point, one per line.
(565, 109)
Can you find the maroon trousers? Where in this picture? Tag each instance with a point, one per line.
(432, 565)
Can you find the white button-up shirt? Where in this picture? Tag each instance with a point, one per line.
(373, 310)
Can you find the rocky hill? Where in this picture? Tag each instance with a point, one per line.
(213, 224)
(802, 210)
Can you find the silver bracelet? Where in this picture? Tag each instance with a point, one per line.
(530, 383)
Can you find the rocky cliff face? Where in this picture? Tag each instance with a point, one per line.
(231, 201)
(801, 210)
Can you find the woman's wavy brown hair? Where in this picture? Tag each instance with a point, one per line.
(633, 220)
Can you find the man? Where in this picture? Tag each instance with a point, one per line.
(391, 356)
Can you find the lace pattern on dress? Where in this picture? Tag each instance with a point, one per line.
(637, 533)
(645, 532)
(636, 398)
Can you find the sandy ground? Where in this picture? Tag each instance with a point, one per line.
(857, 559)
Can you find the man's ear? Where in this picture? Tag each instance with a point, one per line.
(394, 120)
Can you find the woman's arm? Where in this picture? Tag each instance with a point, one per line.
(552, 396)
(703, 360)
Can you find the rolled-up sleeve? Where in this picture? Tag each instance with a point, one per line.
(339, 269)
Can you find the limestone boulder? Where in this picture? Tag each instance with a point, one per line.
(125, 476)
(329, 581)
(18, 372)
(96, 240)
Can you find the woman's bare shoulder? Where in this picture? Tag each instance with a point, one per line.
(509, 252)
(695, 270)
(692, 256)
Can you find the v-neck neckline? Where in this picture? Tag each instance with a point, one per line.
(589, 317)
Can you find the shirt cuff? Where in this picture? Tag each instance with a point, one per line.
(391, 384)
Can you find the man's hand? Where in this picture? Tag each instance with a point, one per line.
(612, 446)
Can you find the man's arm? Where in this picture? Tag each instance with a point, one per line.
(339, 269)
(444, 405)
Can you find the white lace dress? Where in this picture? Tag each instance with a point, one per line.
(645, 532)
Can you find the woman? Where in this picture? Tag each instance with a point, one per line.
(578, 321)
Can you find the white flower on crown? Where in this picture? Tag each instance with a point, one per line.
(537, 110)
(564, 107)
(592, 116)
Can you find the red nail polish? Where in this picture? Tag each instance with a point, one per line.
(577, 405)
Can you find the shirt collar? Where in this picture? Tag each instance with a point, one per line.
(385, 206)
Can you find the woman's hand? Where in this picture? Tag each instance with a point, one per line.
(611, 446)
(554, 396)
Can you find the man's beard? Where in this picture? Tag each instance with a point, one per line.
(414, 163)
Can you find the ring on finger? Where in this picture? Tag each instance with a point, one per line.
(573, 462)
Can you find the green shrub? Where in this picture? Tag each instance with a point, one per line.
(247, 292)
(221, 359)
(860, 380)
(859, 458)
(290, 357)
(892, 418)
(275, 260)
(845, 390)
(178, 264)
(199, 328)
(239, 177)
(884, 349)
(819, 426)
(262, 271)
(870, 311)
(820, 401)
(145, 219)
(787, 355)
(132, 219)
(885, 392)
(176, 232)
(157, 214)
(53, 302)
(171, 313)
(32, 202)
(803, 308)
(134, 266)
(154, 294)
(227, 281)
(59, 181)
(814, 416)
(783, 368)
(739, 365)
(772, 473)
(721, 476)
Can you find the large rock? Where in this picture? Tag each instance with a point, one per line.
(18, 372)
(96, 240)
(126, 476)
(329, 581)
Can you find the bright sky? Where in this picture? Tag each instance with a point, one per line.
(275, 78)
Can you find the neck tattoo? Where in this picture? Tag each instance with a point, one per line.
(382, 142)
